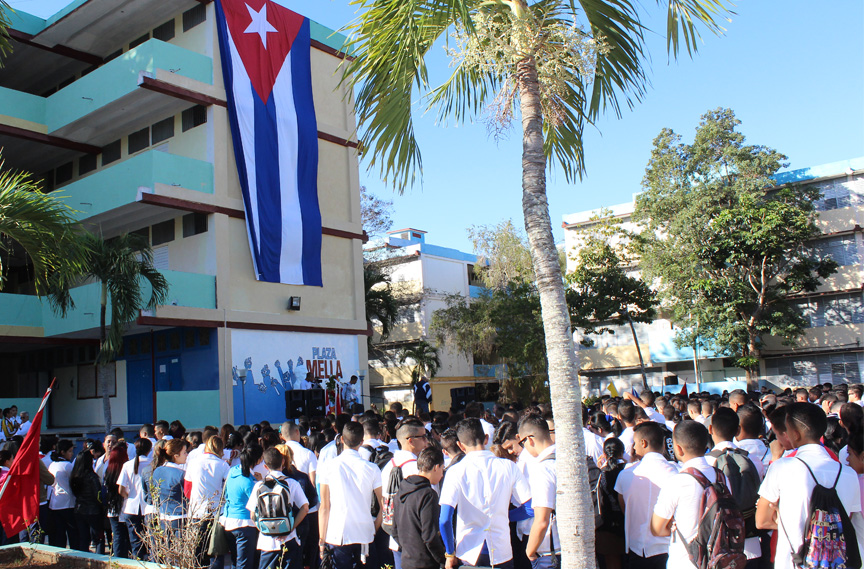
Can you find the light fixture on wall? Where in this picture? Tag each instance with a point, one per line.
(294, 303)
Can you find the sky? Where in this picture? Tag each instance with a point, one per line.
(790, 69)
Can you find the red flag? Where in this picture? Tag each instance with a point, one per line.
(683, 392)
(19, 496)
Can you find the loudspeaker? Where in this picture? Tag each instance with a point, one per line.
(462, 396)
(315, 402)
(470, 394)
(295, 404)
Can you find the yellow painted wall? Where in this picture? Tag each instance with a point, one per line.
(846, 278)
(835, 220)
(616, 356)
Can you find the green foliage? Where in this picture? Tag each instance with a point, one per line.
(728, 248)
(423, 356)
(43, 226)
(5, 44)
(503, 253)
(381, 305)
(375, 213)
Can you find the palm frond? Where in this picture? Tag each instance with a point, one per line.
(562, 141)
(685, 16)
(5, 44)
(464, 94)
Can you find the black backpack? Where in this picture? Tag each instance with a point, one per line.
(830, 541)
(742, 478)
(390, 495)
(380, 456)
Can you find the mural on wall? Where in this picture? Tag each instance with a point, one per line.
(267, 364)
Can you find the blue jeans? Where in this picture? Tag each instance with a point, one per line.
(545, 562)
(243, 545)
(346, 556)
(397, 558)
(120, 538)
(135, 529)
(288, 558)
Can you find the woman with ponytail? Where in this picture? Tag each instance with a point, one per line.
(117, 457)
(236, 519)
(163, 488)
(62, 502)
(89, 512)
(130, 486)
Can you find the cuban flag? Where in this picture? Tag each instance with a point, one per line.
(268, 80)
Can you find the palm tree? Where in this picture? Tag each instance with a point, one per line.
(42, 226)
(424, 357)
(381, 305)
(122, 265)
(5, 44)
(538, 60)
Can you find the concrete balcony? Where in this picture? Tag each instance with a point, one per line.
(23, 315)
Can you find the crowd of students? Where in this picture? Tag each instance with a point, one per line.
(673, 479)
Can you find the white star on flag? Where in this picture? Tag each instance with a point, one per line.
(259, 24)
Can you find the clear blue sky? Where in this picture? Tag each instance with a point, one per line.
(790, 69)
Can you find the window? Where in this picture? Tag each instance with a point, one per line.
(164, 32)
(194, 223)
(63, 173)
(189, 336)
(834, 310)
(840, 193)
(203, 336)
(87, 163)
(194, 16)
(89, 70)
(145, 344)
(163, 232)
(193, 117)
(88, 382)
(143, 232)
(139, 140)
(161, 343)
(135, 43)
(113, 55)
(828, 368)
(174, 340)
(111, 152)
(843, 249)
(163, 130)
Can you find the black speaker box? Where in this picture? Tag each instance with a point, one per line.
(315, 402)
(295, 404)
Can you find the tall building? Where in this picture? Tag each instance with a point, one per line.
(422, 276)
(120, 107)
(830, 351)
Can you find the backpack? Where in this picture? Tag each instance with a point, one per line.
(829, 538)
(742, 479)
(719, 541)
(390, 494)
(274, 513)
(380, 457)
(594, 484)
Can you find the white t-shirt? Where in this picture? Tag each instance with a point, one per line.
(134, 504)
(639, 485)
(298, 498)
(680, 499)
(655, 415)
(352, 482)
(329, 452)
(790, 485)
(627, 438)
(593, 445)
(523, 528)
(304, 459)
(481, 487)
(207, 475)
(543, 482)
(489, 430)
(23, 428)
(758, 450)
(752, 549)
(62, 497)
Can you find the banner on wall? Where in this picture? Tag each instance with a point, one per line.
(266, 364)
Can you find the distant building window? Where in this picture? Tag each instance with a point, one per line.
(89, 70)
(843, 249)
(829, 368)
(144, 232)
(48, 181)
(194, 116)
(194, 16)
(163, 130)
(139, 140)
(840, 193)
(833, 310)
(63, 173)
(163, 232)
(111, 152)
(135, 43)
(194, 224)
(86, 164)
(113, 55)
(164, 32)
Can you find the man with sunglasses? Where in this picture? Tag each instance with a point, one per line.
(544, 547)
(412, 437)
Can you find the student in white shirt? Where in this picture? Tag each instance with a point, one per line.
(198, 450)
(371, 437)
(479, 490)
(475, 409)
(627, 416)
(205, 478)
(304, 459)
(347, 485)
(751, 425)
(638, 488)
(24, 427)
(131, 488)
(62, 501)
(283, 552)
(680, 498)
(785, 492)
(543, 541)
(694, 410)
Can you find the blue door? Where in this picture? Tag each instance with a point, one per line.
(139, 391)
(169, 374)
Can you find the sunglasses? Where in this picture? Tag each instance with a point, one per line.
(522, 441)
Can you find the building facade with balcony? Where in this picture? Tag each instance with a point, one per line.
(120, 108)
(830, 351)
(422, 276)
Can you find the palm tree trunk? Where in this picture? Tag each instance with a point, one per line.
(574, 512)
(101, 372)
(638, 351)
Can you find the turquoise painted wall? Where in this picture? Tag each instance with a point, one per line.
(195, 409)
(29, 404)
(118, 185)
(20, 310)
(22, 105)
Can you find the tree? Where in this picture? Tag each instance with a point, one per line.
(503, 253)
(728, 247)
(423, 356)
(42, 226)
(535, 59)
(375, 213)
(601, 294)
(122, 266)
(381, 305)
(503, 323)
